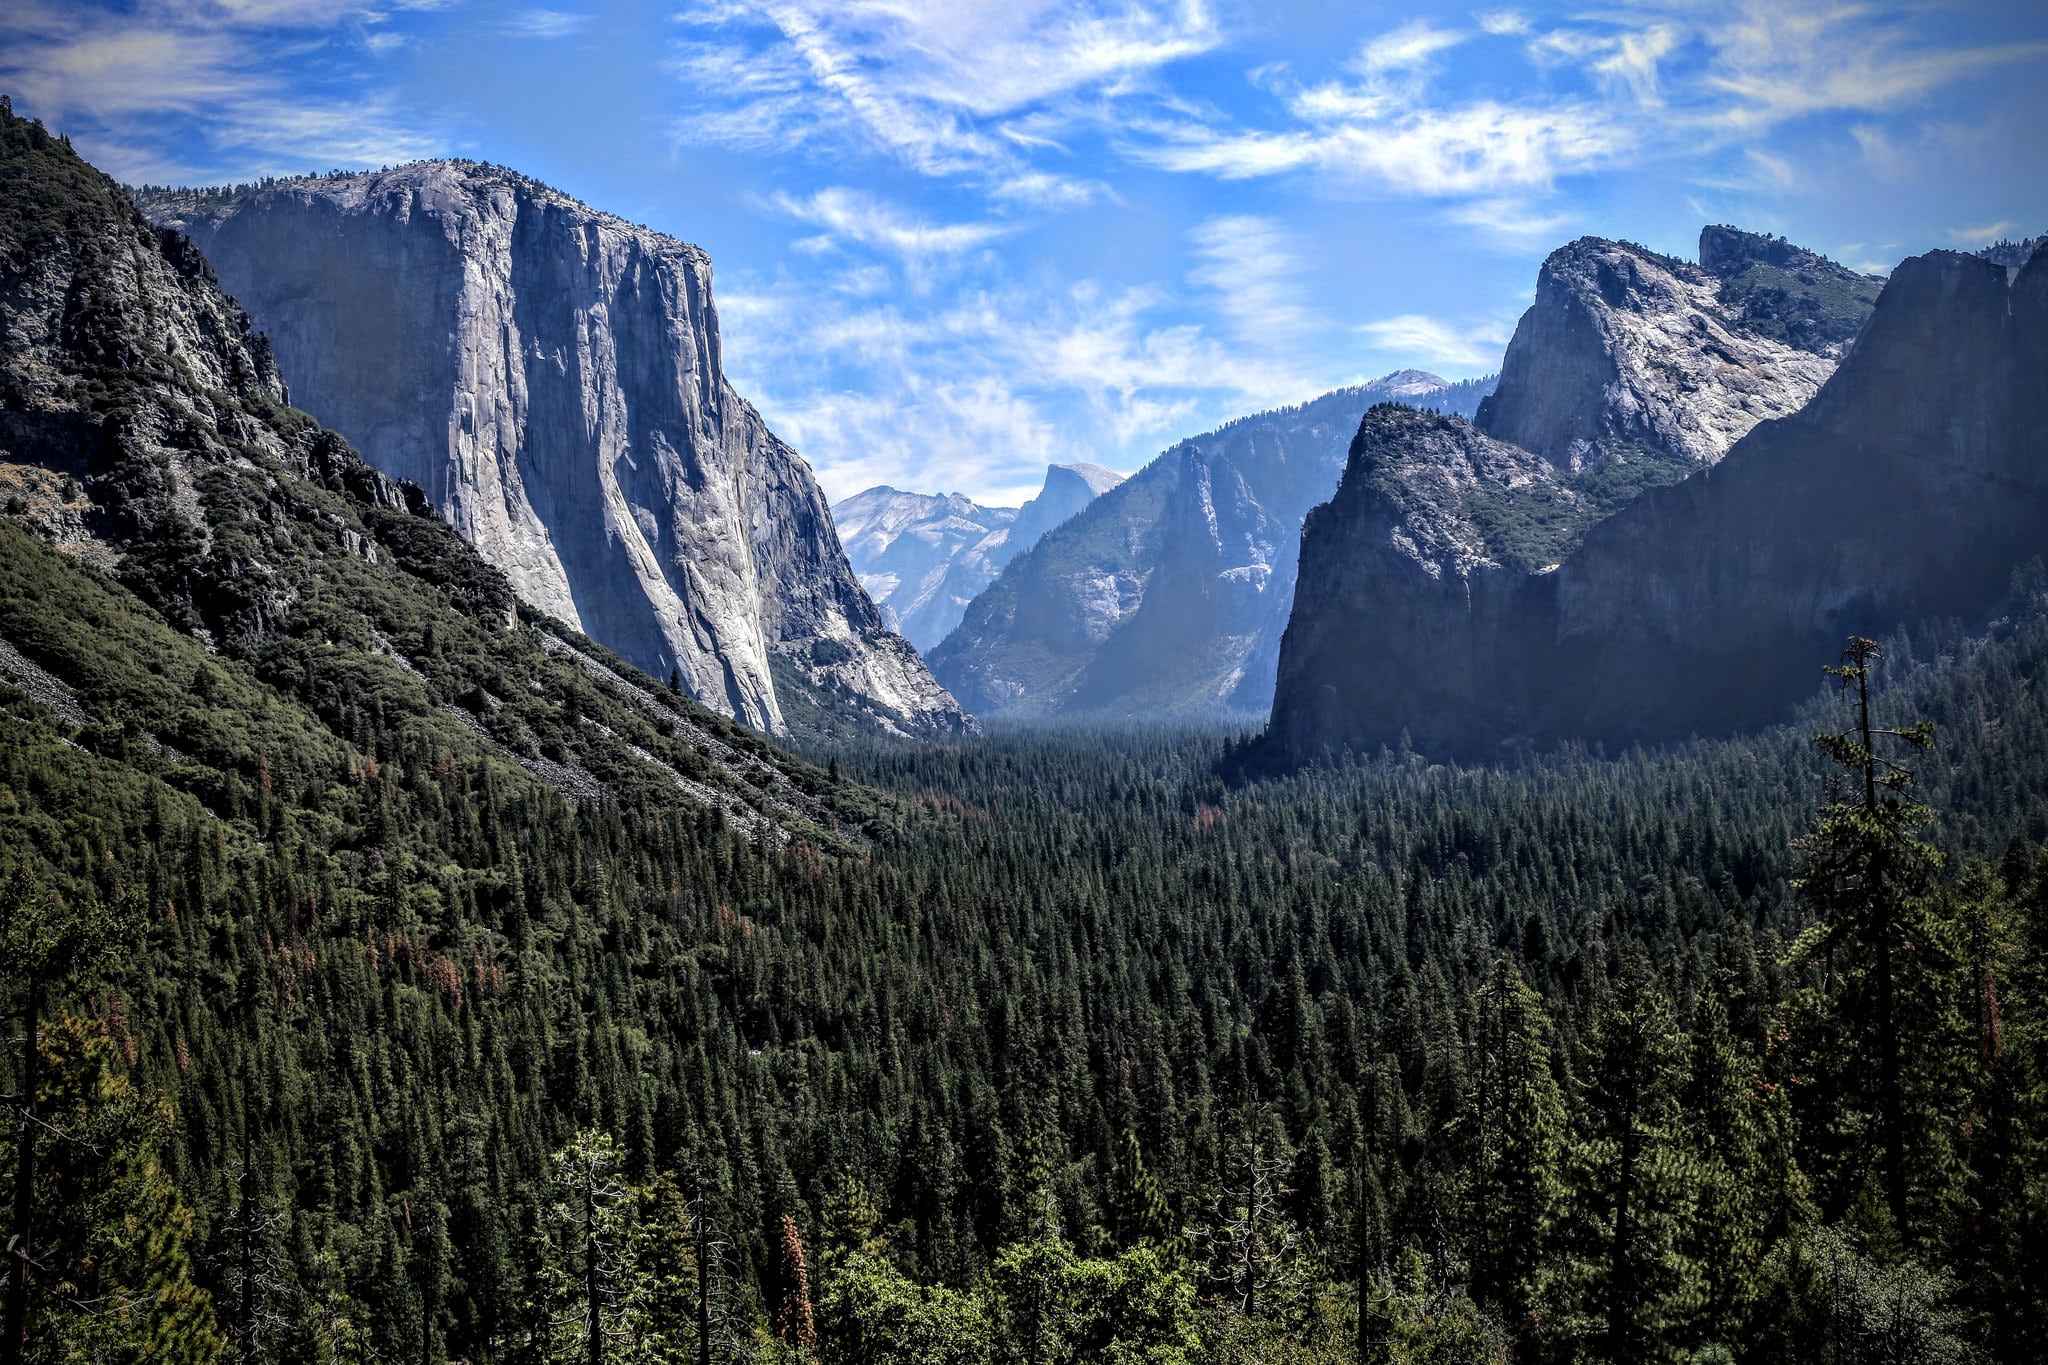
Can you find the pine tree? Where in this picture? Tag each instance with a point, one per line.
(794, 1322)
(1247, 1244)
(1867, 874)
(1514, 1129)
(1628, 1280)
(45, 946)
(589, 1270)
(1137, 1208)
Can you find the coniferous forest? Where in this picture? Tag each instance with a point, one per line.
(1106, 1047)
(392, 975)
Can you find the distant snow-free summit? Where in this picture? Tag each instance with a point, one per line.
(924, 556)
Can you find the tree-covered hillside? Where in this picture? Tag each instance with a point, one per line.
(390, 979)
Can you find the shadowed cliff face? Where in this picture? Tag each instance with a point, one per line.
(1907, 490)
(551, 376)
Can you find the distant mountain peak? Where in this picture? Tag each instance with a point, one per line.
(1626, 349)
(925, 556)
(1408, 383)
(1098, 479)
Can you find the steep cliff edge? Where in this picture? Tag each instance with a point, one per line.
(550, 375)
(1906, 490)
(1168, 594)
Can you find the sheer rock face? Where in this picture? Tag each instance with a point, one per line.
(551, 376)
(1907, 490)
(1068, 488)
(924, 556)
(1167, 595)
(1624, 347)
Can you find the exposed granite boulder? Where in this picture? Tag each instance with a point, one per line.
(1168, 594)
(551, 376)
(1907, 490)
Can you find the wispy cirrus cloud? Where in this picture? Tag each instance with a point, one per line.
(176, 92)
(544, 23)
(1256, 276)
(1985, 235)
(854, 216)
(946, 89)
(1775, 62)
(1435, 341)
(1665, 81)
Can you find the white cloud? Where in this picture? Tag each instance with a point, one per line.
(1407, 47)
(1508, 222)
(1255, 274)
(947, 88)
(1632, 62)
(114, 81)
(1983, 236)
(544, 23)
(1659, 81)
(1481, 148)
(858, 217)
(1422, 340)
(1778, 60)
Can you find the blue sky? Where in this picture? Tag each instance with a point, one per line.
(956, 240)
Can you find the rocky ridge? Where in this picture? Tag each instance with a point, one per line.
(1906, 490)
(1168, 594)
(924, 556)
(1627, 354)
(551, 376)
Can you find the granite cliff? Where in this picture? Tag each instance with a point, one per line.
(1906, 490)
(550, 375)
(924, 556)
(1167, 595)
(201, 581)
(1630, 355)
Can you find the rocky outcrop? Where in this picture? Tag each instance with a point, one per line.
(1907, 490)
(1168, 594)
(1628, 351)
(924, 556)
(2014, 255)
(551, 376)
